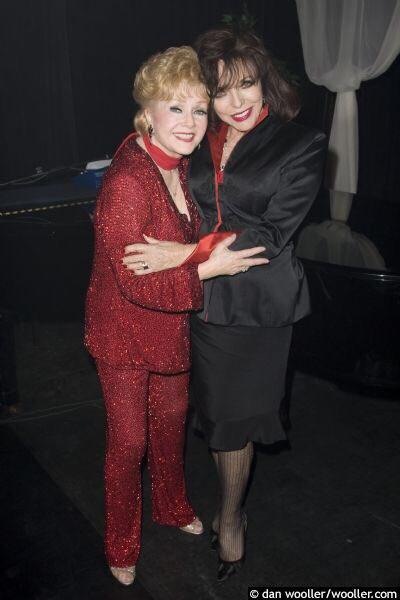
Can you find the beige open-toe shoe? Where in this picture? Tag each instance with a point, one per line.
(125, 575)
(195, 527)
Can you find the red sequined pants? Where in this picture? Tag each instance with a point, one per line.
(144, 411)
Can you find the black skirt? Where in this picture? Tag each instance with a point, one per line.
(238, 382)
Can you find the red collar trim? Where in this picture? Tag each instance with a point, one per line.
(161, 158)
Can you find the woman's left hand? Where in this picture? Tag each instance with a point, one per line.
(155, 255)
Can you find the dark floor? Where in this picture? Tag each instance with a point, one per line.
(325, 512)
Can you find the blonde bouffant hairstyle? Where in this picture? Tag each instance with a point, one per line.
(162, 76)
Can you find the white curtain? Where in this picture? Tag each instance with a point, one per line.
(344, 43)
(334, 242)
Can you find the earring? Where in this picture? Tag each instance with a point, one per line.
(150, 130)
(264, 101)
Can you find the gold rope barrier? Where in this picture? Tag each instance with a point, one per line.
(42, 208)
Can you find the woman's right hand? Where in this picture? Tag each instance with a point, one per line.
(223, 261)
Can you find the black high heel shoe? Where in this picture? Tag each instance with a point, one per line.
(227, 568)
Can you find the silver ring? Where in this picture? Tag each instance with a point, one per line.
(145, 266)
(245, 269)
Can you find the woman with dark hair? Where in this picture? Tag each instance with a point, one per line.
(257, 175)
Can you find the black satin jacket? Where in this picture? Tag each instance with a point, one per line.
(270, 182)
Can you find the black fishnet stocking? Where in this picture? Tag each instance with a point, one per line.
(233, 471)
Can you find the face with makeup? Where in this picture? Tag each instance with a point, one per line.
(180, 123)
(238, 103)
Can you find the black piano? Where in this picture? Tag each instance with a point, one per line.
(46, 245)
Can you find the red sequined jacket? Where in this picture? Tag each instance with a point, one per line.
(134, 320)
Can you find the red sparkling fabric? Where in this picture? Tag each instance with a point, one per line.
(134, 320)
(143, 410)
(137, 329)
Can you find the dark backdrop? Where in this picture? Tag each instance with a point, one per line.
(67, 68)
(66, 71)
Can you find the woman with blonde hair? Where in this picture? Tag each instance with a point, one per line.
(137, 327)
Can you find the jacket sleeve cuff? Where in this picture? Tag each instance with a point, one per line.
(205, 246)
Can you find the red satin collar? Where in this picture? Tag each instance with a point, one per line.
(161, 158)
(217, 139)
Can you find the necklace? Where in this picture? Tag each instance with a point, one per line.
(226, 151)
(175, 192)
(171, 180)
(231, 143)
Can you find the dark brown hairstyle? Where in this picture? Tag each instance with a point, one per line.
(243, 50)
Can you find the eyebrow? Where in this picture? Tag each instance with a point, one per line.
(200, 104)
(231, 84)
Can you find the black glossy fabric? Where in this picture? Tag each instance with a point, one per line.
(270, 183)
(238, 381)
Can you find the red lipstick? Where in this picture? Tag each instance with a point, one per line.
(242, 116)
